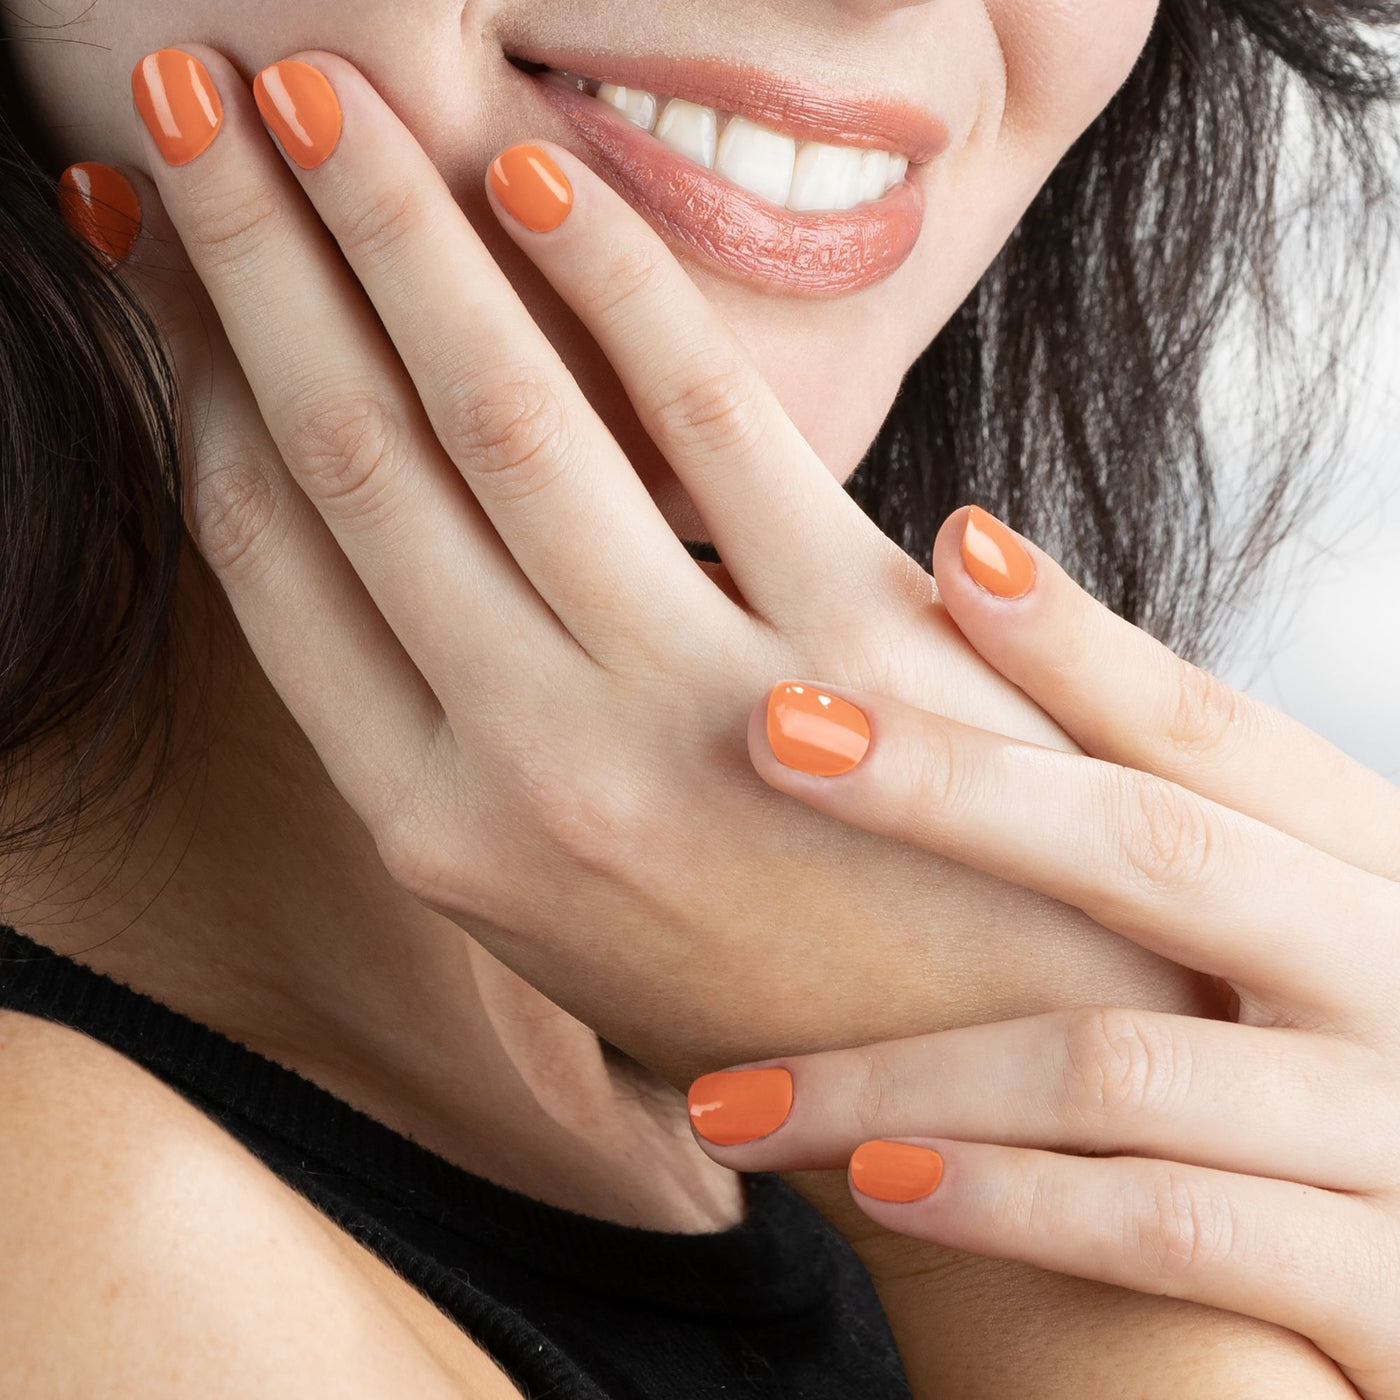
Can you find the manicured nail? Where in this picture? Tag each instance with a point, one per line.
(532, 188)
(99, 203)
(815, 732)
(299, 104)
(895, 1171)
(178, 102)
(994, 556)
(732, 1106)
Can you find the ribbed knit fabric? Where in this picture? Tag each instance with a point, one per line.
(573, 1307)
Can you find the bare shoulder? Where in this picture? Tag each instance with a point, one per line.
(143, 1251)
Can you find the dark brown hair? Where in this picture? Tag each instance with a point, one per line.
(1065, 394)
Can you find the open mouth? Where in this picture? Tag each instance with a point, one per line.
(804, 176)
(781, 187)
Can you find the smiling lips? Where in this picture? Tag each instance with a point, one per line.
(801, 193)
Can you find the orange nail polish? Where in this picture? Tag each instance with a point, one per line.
(895, 1171)
(300, 106)
(737, 1105)
(179, 103)
(99, 203)
(815, 732)
(994, 557)
(532, 188)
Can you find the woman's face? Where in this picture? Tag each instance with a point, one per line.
(990, 94)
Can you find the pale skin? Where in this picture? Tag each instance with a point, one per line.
(440, 998)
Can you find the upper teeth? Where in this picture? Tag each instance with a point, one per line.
(798, 175)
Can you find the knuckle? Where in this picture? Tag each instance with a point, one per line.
(420, 846)
(635, 271)
(1029, 1208)
(944, 780)
(339, 444)
(594, 820)
(871, 1092)
(1206, 714)
(399, 833)
(1180, 1226)
(1169, 837)
(1120, 1065)
(712, 406)
(388, 217)
(1076, 658)
(515, 432)
(238, 506)
(227, 225)
(425, 865)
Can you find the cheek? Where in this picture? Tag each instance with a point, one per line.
(1041, 71)
(1064, 59)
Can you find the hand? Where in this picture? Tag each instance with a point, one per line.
(509, 665)
(1251, 1166)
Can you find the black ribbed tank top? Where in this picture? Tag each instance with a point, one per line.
(572, 1307)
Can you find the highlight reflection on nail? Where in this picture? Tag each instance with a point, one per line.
(178, 102)
(300, 107)
(815, 732)
(733, 1106)
(99, 204)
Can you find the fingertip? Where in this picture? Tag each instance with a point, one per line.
(893, 1171)
(995, 557)
(734, 1107)
(526, 183)
(975, 547)
(299, 105)
(102, 205)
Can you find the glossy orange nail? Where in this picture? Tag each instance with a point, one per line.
(815, 732)
(299, 104)
(737, 1105)
(994, 557)
(533, 189)
(179, 103)
(895, 1171)
(99, 203)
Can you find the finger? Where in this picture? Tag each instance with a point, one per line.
(1181, 875)
(310, 625)
(558, 490)
(333, 393)
(1125, 697)
(1263, 1101)
(1313, 1261)
(701, 398)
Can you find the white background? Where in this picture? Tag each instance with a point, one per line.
(1322, 641)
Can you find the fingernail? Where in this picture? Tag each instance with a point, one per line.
(732, 1106)
(533, 189)
(895, 1171)
(299, 104)
(815, 732)
(179, 103)
(994, 557)
(99, 203)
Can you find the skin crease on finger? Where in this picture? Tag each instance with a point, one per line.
(270, 919)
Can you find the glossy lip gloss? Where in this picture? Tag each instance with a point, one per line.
(816, 254)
